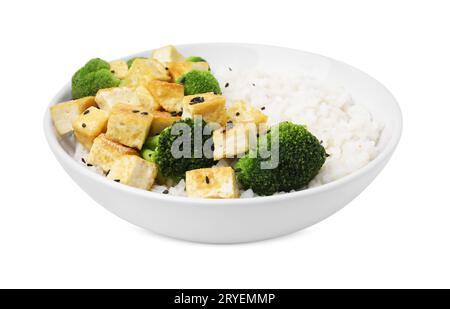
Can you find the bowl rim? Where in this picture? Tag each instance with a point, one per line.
(52, 139)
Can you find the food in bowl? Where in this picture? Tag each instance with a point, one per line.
(178, 126)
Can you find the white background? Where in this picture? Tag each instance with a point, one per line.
(395, 234)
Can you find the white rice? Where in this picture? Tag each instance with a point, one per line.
(347, 130)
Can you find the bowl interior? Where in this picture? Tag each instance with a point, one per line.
(364, 89)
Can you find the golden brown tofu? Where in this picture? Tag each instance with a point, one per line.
(90, 124)
(128, 125)
(119, 68)
(230, 143)
(241, 111)
(146, 99)
(177, 69)
(168, 95)
(63, 114)
(215, 182)
(208, 105)
(104, 152)
(133, 171)
(167, 54)
(162, 120)
(144, 70)
(201, 65)
(107, 98)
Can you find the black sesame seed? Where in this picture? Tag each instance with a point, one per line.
(165, 191)
(167, 69)
(253, 84)
(230, 69)
(144, 113)
(227, 84)
(112, 71)
(89, 164)
(263, 108)
(117, 180)
(327, 155)
(107, 173)
(86, 112)
(268, 132)
(237, 170)
(257, 134)
(136, 111)
(321, 142)
(212, 147)
(237, 114)
(173, 113)
(83, 160)
(83, 125)
(180, 113)
(224, 130)
(197, 100)
(207, 179)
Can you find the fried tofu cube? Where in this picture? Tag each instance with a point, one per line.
(162, 120)
(138, 97)
(168, 95)
(167, 54)
(119, 68)
(146, 99)
(235, 141)
(63, 114)
(133, 171)
(177, 69)
(241, 111)
(201, 65)
(107, 98)
(104, 152)
(208, 105)
(90, 124)
(144, 70)
(128, 125)
(215, 182)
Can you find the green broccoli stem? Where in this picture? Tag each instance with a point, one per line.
(148, 151)
(148, 154)
(152, 142)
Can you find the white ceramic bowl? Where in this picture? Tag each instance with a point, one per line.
(244, 220)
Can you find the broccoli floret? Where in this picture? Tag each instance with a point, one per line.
(159, 149)
(130, 61)
(197, 81)
(148, 153)
(301, 156)
(94, 75)
(92, 66)
(195, 59)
